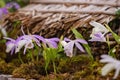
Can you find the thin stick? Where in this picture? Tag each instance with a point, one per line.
(115, 4)
(71, 11)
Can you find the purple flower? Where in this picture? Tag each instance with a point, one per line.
(3, 11)
(26, 41)
(51, 42)
(12, 5)
(98, 37)
(69, 44)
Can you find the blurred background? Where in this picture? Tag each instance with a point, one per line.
(20, 2)
(7, 6)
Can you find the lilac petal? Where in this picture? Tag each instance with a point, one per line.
(107, 58)
(8, 5)
(81, 41)
(39, 38)
(79, 47)
(25, 50)
(17, 6)
(4, 11)
(8, 42)
(69, 49)
(54, 39)
(37, 42)
(99, 34)
(66, 39)
(12, 4)
(27, 37)
(98, 37)
(107, 68)
(52, 44)
(116, 72)
(12, 50)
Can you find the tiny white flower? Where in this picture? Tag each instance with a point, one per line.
(111, 65)
(98, 28)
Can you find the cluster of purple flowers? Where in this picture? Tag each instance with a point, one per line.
(5, 10)
(28, 41)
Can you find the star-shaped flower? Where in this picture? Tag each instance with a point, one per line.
(98, 37)
(69, 45)
(111, 64)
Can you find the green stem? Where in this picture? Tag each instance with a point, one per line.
(108, 42)
(54, 67)
(37, 57)
(19, 56)
(31, 54)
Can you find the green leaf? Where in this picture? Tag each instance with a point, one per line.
(116, 37)
(77, 34)
(112, 52)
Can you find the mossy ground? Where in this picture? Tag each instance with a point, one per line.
(76, 68)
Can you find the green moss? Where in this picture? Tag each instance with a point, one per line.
(6, 68)
(73, 64)
(30, 70)
(2, 55)
(26, 71)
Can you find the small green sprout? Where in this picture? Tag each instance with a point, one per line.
(50, 55)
